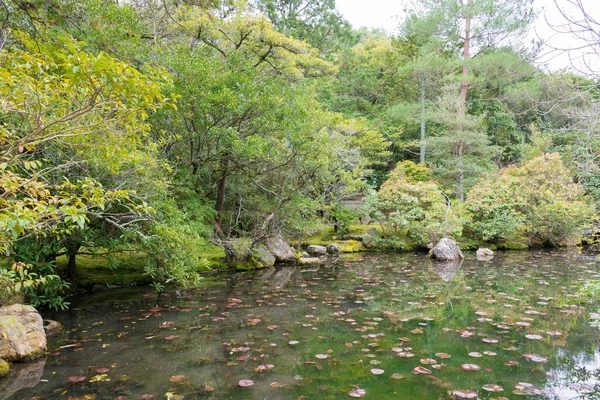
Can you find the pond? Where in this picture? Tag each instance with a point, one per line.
(382, 326)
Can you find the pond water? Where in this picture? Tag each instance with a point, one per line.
(379, 327)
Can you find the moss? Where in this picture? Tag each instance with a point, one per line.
(350, 246)
(515, 245)
(362, 229)
(94, 270)
(4, 368)
(214, 256)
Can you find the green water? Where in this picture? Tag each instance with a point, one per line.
(517, 318)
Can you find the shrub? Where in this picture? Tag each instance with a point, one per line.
(419, 209)
(538, 199)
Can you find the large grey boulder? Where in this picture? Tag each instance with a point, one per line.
(279, 248)
(316, 250)
(484, 254)
(446, 250)
(22, 336)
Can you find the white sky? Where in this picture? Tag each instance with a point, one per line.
(386, 14)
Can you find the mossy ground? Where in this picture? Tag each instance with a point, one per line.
(95, 270)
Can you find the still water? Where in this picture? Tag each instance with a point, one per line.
(379, 327)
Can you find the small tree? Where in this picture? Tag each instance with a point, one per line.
(538, 199)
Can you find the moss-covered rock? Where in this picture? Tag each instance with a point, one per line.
(22, 336)
(262, 258)
(4, 368)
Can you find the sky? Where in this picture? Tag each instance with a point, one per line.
(386, 14)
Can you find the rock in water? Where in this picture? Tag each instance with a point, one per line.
(316, 250)
(333, 249)
(484, 254)
(22, 336)
(279, 248)
(446, 250)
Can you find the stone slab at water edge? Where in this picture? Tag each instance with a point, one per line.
(22, 336)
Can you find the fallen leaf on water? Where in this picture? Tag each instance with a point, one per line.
(102, 370)
(177, 378)
(245, 382)
(357, 392)
(492, 387)
(463, 394)
(421, 370)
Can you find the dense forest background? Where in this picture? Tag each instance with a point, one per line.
(163, 129)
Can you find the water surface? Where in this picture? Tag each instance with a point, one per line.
(346, 329)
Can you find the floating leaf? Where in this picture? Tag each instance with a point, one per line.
(76, 379)
(492, 387)
(534, 337)
(421, 370)
(377, 371)
(245, 382)
(177, 378)
(357, 392)
(102, 370)
(463, 394)
(535, 358)
(470, 367)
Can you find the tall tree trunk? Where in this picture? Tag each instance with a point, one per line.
(460, 187)
(422, 144)
(464, 86)
(220, 203)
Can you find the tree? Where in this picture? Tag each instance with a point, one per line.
(539, 200)
(316, 22)
(463, 151)
(471, 27)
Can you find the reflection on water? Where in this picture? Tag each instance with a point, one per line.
(386, 326)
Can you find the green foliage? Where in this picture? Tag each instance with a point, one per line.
(412, 172)
(40, 289)
(538, 199)
(342, 218)
(418, 208)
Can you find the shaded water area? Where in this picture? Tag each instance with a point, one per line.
(507, 328)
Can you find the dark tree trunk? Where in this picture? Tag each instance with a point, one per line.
(72, 250)
(220, 203)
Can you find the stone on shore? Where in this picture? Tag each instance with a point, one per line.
(22, 336)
